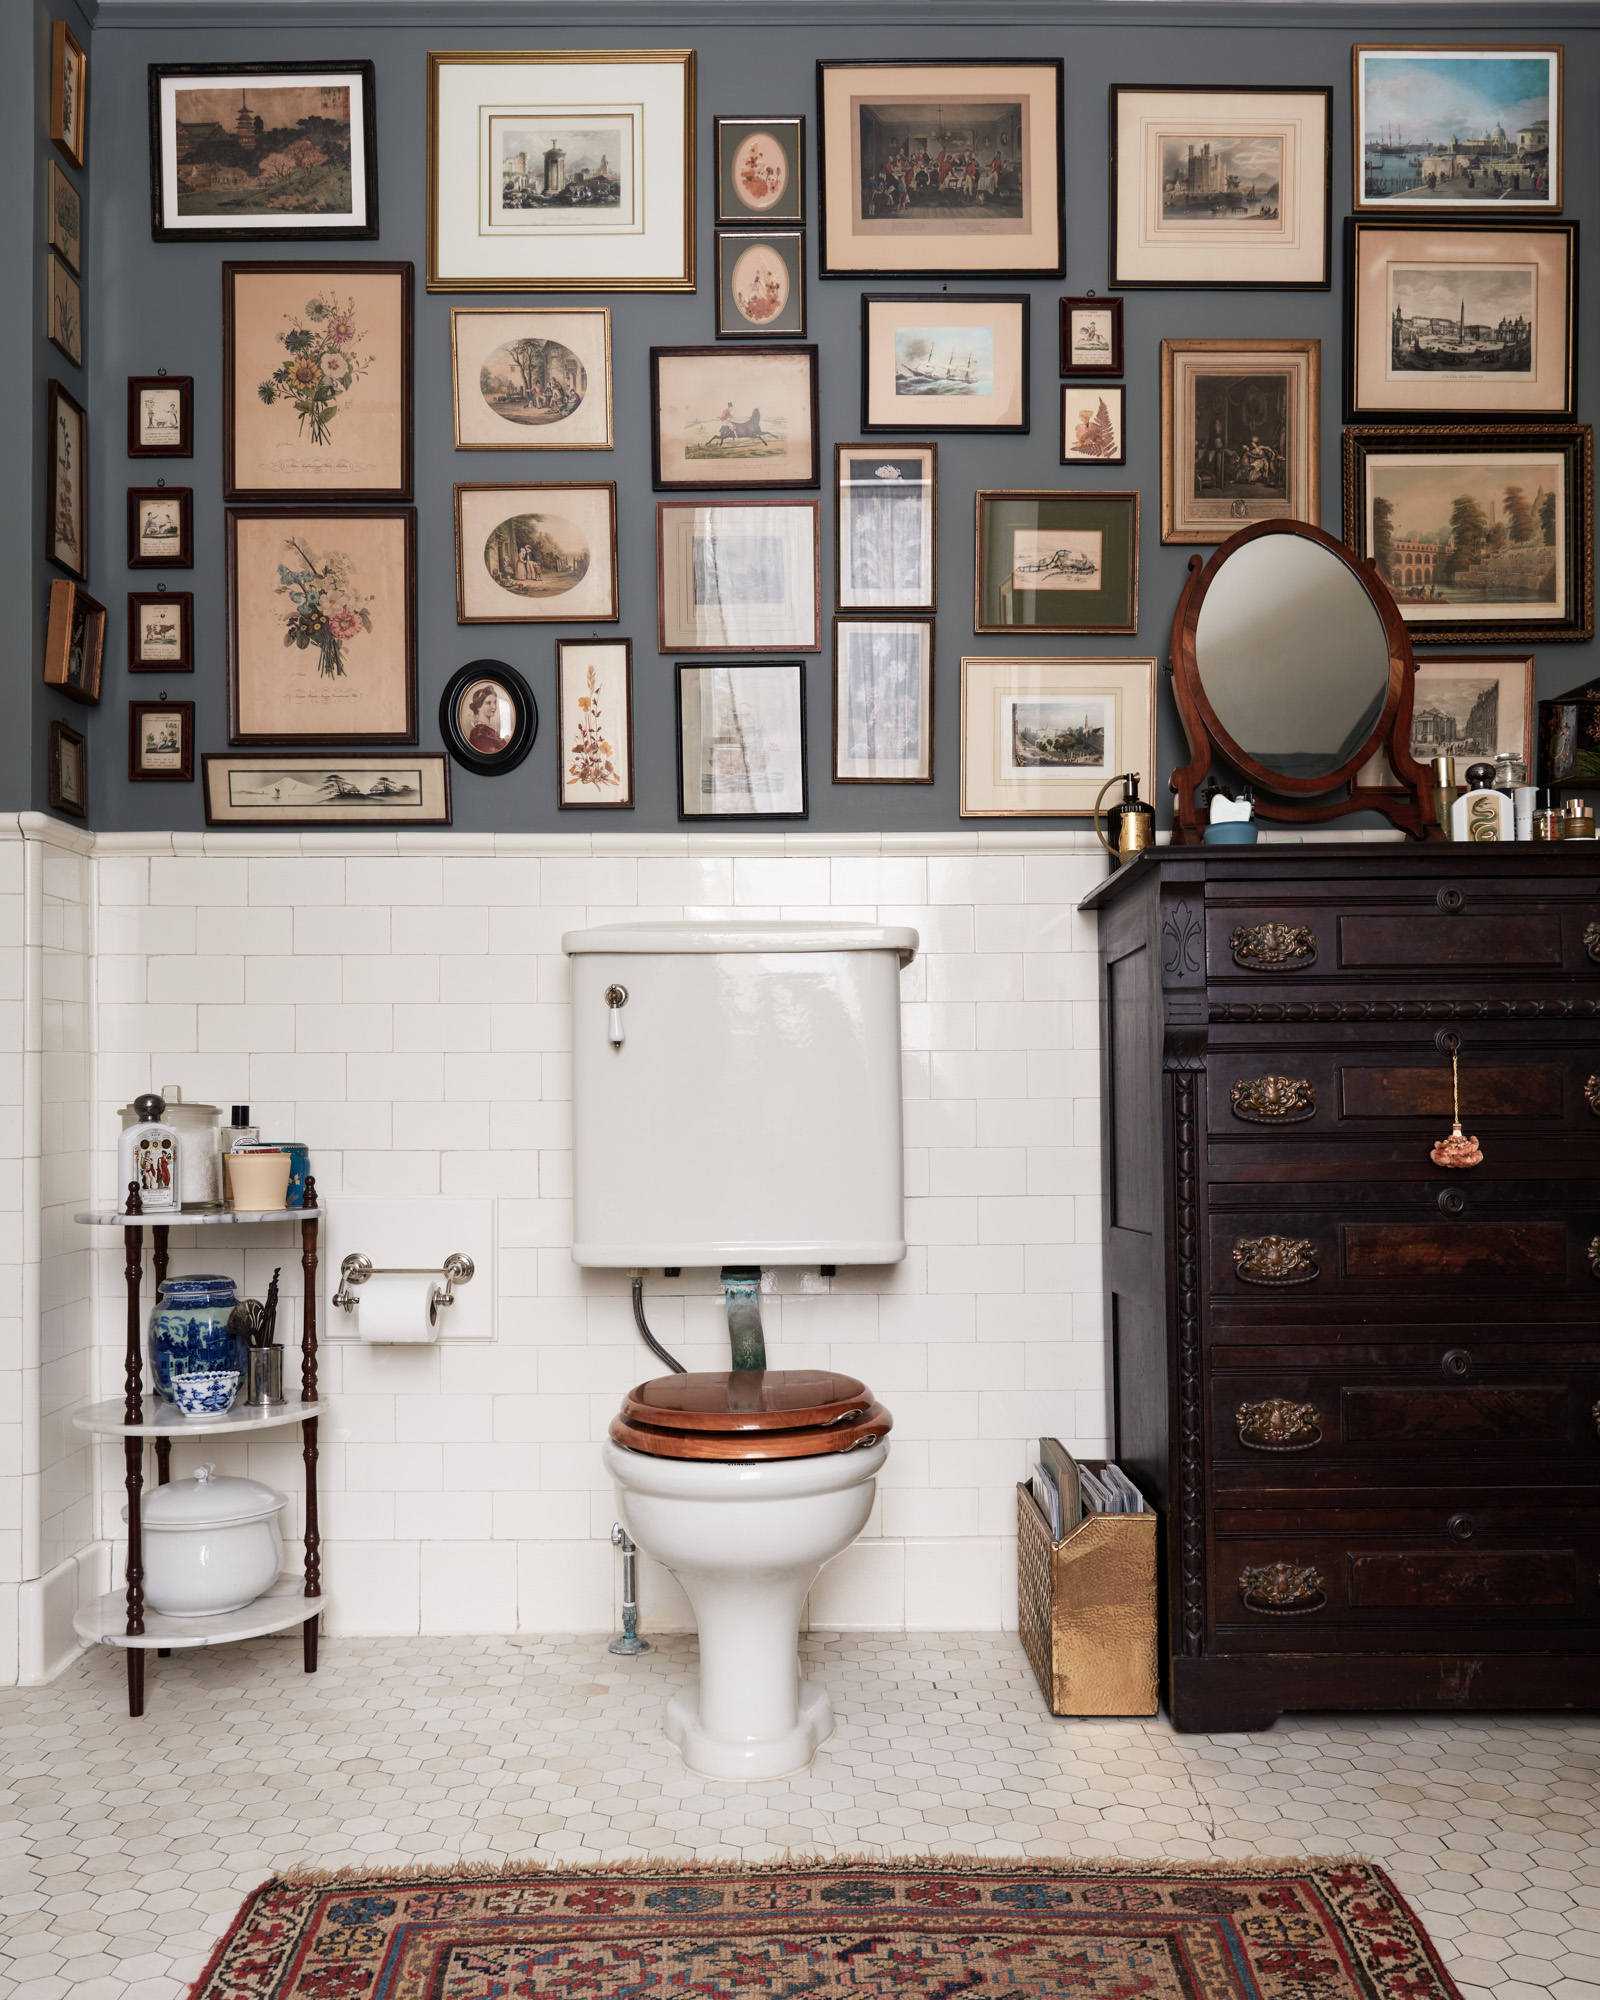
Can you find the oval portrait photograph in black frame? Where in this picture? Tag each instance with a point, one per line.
(488, 717)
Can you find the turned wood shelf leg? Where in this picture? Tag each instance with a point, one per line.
(133, 1448)
(308, 1427)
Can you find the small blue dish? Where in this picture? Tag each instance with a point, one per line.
(207, 1394)
(1231, 833)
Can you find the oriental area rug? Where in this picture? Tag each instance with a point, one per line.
(935, 1928)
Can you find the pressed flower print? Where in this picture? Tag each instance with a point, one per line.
(596, 729)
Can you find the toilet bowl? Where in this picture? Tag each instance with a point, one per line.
(745, 1532)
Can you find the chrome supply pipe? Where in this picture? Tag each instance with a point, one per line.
(630, 1642)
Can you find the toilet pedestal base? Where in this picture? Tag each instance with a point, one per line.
(772, 1757)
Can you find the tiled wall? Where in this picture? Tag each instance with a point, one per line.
(400, 1004)
(46, 1260)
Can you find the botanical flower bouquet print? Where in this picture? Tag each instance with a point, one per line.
(594, 691)
(317, 359)
(322, 625)
(320, 365)
(325, 608)
(591, 753)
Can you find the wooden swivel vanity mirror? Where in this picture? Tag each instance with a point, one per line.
(1292, 664)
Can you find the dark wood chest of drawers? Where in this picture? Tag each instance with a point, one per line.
(1363, 1387)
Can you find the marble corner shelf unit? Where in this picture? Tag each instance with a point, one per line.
(120, 1617)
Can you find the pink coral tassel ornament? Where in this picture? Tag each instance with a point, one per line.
(1458, 1150)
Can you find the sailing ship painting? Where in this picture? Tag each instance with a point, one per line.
(944, 361)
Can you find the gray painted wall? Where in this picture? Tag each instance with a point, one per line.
(156, 306)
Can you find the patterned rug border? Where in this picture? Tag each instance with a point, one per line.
(811, 1863)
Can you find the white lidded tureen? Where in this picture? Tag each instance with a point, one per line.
(210, 1545)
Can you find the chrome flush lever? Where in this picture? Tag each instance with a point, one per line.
(616, 1000)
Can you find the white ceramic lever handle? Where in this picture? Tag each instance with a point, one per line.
(616, 1000)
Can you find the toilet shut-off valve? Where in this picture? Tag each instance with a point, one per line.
(616, 1000)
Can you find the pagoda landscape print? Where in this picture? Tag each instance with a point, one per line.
(271, 149)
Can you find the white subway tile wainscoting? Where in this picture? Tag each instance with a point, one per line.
(399, 1003)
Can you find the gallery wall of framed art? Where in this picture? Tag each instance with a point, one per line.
(776, 328)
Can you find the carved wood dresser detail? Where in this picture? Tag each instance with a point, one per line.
(1364, 1388)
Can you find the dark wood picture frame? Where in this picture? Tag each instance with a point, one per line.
(773, 665)
(1092, 303)
(626, 800)
(949, 267)
(184, 384)
(1411, 224)
(319, 271)
(793, 355)
(916, 420)
(183, 557)
(55, 397)
(63, 293)
(181, 601)
(355, 742)
(881, 453)
(214, 763)
(488, 763)
(69, 602)
(845, 618)
(1086, 501)
(1211, 283)
(1573, 442)
(791, 245)
(782, 212)
(1101, 390)
(812, 644)
(1309, 798)
(184, 774)
(64, 48)
(66, 242)
(269, 72)
(63, 737)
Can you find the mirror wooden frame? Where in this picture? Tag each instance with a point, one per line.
(1409, 805)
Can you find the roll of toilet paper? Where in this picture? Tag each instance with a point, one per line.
(391, 1307)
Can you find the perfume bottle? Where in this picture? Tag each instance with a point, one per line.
(148, 1155)
(1481, 813)
(240, 1133)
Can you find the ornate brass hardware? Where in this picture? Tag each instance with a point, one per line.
(1455, 1363)
(1274, 947)
(1591, 1094)
(1274, 1100)
(1282, 1590)
(1278, 1425)
(1591, 941)
(1279, 1260)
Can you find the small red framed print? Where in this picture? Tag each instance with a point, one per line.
(160, 742)
(161, 416)
(160, 527)
(160, 631)
(1091, 336)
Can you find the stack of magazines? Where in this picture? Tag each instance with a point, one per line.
(1066, 1490)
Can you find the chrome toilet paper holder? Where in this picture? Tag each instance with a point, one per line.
(457, 1269)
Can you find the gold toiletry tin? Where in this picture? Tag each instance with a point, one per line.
(1086, 1609)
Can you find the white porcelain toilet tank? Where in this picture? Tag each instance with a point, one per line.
(750, 1112)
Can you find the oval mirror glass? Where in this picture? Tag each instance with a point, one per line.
(1292, 655)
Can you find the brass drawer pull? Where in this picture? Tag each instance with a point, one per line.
(1591, 1094)
(1286, 1100)
(1279, 947)
(1281, 1260)
(1278, 1425)
(1455, 1364)
(1591, 941)
(1282, 1590)
(1461, 1527)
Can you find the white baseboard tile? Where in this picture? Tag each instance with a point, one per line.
(961, 1586)
(44, 1639)
(862, 1590)
(566, 1586)
(376, 1589)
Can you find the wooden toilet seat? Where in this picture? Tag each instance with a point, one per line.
(750, 1414)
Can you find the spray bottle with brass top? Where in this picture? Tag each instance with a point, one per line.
(1132, 821)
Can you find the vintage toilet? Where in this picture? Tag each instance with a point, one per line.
(736, 1103)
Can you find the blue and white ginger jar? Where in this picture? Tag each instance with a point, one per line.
(189, 1331)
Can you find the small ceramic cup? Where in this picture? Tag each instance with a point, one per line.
(260, 1179)
(208, 1394)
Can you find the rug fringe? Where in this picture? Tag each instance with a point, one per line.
(803, 1862)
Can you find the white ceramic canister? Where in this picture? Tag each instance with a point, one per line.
(210, 1545)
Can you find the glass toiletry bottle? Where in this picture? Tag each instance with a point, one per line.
(1577, 820)
(149, 1154)
(1445, 789)
(1546, 815)
(1481, 813)
(1523, 800)
(240, 1132)
(1509, 771)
